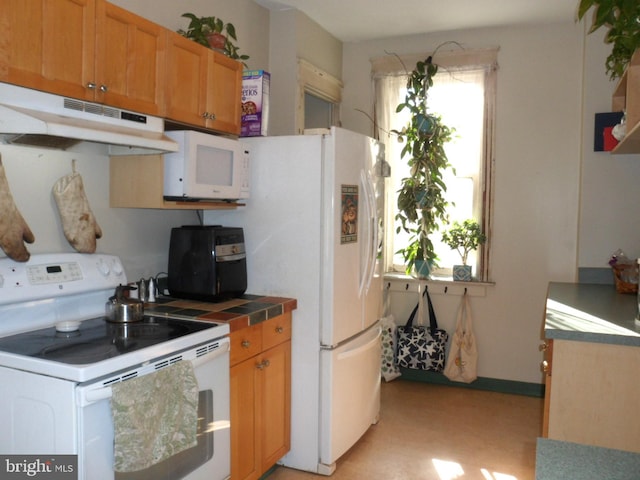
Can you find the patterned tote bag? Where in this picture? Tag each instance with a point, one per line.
(422, 347)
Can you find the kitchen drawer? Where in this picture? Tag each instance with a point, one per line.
(245, 343)
(276, 330)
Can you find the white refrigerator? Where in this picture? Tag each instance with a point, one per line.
(313, 231)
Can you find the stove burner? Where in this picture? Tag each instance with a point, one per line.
(97, 339)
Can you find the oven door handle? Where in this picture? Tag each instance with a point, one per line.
(92, 396)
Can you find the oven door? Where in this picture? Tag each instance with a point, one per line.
(208, 460)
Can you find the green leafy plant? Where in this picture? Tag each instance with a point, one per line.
(200, 28)
(421, 201)
(464, 237)
(622, 18)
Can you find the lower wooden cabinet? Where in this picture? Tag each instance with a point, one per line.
(260, 396)
(592, 394)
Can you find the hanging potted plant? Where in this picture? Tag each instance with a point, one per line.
(464, 237)
(622, 19)
(214, 33)
(421, 201)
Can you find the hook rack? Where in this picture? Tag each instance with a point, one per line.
(437, 288)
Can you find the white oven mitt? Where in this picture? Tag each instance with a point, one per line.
(78, 222)
(14, 231)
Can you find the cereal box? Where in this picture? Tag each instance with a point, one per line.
(255, 103)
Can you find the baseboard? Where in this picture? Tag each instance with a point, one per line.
(482, 383)
(268, 472)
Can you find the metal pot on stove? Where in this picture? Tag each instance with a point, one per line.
(122, 309)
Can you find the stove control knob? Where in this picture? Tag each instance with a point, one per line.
(117, 268)
(103, 268)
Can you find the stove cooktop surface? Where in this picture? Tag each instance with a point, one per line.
(96, 339)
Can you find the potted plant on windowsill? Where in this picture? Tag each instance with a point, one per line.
(214, 33)
(421, 201)
(622, 18)
(464, 237)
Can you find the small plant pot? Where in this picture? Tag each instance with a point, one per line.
(217, 41)
(422, 269)
(462, 273)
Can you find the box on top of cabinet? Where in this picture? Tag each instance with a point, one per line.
(255, 103)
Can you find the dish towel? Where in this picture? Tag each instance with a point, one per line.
(154, 416)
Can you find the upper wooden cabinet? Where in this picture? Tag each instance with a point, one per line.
(203, 87)
(85, 49)
(49, 45)
(95, 51)
(129, 67)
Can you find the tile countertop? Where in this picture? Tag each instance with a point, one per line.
(239, 312)
(591, 313)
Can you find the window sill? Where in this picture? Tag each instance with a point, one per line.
(398, 282)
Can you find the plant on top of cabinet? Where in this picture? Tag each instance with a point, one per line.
(213, 33)
(421, 201)
(622, 18)
(464, 237)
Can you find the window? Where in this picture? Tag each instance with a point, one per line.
(463, 94)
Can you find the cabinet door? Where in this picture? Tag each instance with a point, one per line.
(129, 60)
(245, 463)
(224, 90)
(274, 378)
(49, 45)
(546, 367)
(186, 80)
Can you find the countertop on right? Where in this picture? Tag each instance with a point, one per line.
(572, 461)
(591, 313)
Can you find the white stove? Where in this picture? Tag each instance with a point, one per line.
(61, 357)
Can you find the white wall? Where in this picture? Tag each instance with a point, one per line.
(609, 192)
(250, 19)
(139, 237)
(294, 36)
(537, 180)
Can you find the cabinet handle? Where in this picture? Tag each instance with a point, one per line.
(543, 347)
(544, 366)
(212, 116)
(91, 86)
(279, 329)
(103, 88)
(263, 364)
(245, 344)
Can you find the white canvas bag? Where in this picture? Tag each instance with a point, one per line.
(462, 363)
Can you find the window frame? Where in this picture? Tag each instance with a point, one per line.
(448, 61)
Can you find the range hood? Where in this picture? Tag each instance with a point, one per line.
(31, 117)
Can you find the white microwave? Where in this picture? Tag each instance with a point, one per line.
(206, 167)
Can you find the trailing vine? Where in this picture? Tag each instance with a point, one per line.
(421, 198)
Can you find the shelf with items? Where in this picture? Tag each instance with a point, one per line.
(626, 97)
(137, 181)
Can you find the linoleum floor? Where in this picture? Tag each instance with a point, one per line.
(435, 432)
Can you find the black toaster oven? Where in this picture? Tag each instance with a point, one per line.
(207, 262)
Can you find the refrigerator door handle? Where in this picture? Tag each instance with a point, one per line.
(364, 269)
(372, 234)
(374, 231)
(361, 348)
